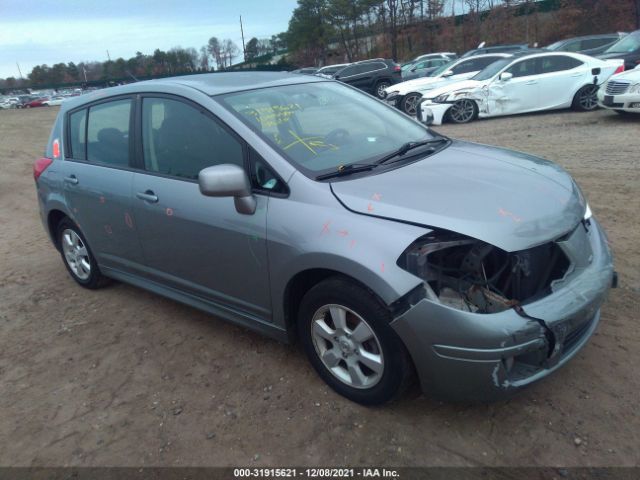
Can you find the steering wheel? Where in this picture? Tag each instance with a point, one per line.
(339, 136)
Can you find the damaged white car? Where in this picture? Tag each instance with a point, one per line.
(524, 82)
(406, 95)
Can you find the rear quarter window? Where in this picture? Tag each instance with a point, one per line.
(77, 135)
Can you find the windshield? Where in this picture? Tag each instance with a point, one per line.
(492, 69)
(321, 126)
(628, 44)
(555, 46)
(442, 68)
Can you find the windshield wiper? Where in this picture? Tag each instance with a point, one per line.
(409, 146)
(348, 170)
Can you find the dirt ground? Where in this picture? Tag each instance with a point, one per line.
(123, 377)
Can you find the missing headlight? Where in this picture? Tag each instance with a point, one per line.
(474, 276)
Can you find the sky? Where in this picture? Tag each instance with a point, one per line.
(36, 32)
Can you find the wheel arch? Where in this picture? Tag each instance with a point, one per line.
(300, 284)
(54, 217)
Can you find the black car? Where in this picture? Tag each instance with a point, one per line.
(481, 50)
(588, 44)
(372, 76)
(627, 49)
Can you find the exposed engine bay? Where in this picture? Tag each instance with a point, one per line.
(474, 276)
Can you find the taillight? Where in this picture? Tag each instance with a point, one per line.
(40, 166)
(620, 69)
(397, 68)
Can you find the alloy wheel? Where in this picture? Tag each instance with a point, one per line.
(411, 104)
(347, 346)
(588, 99)
(382, 86)
(462, 111)
(76, 254)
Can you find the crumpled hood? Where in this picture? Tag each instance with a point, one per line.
(454, 87)
(509, 199)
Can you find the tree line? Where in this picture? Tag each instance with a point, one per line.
(333, 31)
(217, 54)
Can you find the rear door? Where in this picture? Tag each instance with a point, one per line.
(196, 244)
(560, 78)
(97, 177)
(518, 94)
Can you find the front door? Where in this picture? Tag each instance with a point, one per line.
(518, 94)
(196, 244)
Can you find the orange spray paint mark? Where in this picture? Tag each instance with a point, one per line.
(128, 220)
(325, 228)
(56, 148)
(370, 208)
(169, 212)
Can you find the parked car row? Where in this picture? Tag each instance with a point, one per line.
(524, 80)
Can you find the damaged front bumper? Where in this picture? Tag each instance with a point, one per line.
(433, 113)
(465, 356)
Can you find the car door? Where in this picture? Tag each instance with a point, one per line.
(97, 178)
(560, 78)
(197, 244)
(518, 94)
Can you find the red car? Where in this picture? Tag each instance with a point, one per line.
(37, 102)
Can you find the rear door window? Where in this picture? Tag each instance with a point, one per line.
(108, 133)
(558, 63)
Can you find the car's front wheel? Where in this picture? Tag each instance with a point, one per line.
(345, 332)
(77, 256)
(463, 111)
(410, 103)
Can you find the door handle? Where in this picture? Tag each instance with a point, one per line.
(72, 179)
(147, 196)
(531, 82)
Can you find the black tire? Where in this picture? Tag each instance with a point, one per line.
(95, 278)
(585, 99)
(379, 88)
(409, 103)
(397, 370)
(469, 106)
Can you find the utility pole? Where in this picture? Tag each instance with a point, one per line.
(244, 50)
(108, 56)
(19, 71)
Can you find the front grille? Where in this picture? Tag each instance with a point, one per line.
(616, 87)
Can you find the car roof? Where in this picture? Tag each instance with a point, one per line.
(599, 35)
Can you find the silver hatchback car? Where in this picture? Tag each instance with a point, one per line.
(305, 209)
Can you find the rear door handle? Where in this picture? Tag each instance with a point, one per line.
(531, 82)
(72, 179)
(147, 196)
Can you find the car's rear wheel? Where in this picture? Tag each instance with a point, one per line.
(409, 103)
(586, 99)
(381, 87)
(463, 111)
(77, 256)
(345, 332)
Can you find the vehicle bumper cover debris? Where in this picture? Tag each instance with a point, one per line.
(467, 356)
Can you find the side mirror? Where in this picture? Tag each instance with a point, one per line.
(336, 77)
(506, 76)
(424, 115)
(228, 181)
(448, 73)
(414, 69)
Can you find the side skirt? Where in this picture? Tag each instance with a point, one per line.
(229, 314)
